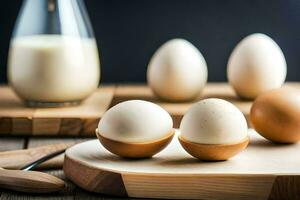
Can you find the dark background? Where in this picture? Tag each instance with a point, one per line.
(129, 32)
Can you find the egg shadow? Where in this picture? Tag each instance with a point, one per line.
(222, 96)
(114, 158)
(264, 143)
(154, 98)
(101, 157)
(185, 161)
(176, 162)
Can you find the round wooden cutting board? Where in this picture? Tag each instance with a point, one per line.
(263, 171)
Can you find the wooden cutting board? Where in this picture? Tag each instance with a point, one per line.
(16, 119)
(81, 120)
(264, 170)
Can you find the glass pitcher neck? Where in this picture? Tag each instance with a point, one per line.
(51, 4)
(63, 17)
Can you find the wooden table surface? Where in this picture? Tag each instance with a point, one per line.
(71, 191)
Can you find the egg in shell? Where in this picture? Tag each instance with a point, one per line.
(276, 115)
(135, 129)
(257, 64)
(213, 129)
(177, 71)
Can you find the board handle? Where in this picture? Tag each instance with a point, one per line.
(30, 181)
(18, 158)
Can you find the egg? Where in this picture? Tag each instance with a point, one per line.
(213, 129)
(256, 65)
(276, 115)
(177, 71)
(135, 129)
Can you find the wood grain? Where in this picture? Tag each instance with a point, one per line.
(82, 120)
(18, 158)
(5, 125)
(253, 174)
(41, 142)
(286, 187)
(67, 193)
(30, 181)
(197, 186)
(95, 180)
(16, 119)
(11, 143)
(70, 192)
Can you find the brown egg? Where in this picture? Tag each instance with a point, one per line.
(276, 115)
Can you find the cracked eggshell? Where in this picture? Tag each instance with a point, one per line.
(214, 121)
(256, 65)
(177, 71)
(135, 121)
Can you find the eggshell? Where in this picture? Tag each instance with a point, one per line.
(214, 121)
(177, 71)
(276, 115)
(256, 65)
(135, 121)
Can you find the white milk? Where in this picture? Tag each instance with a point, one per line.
(53, 68)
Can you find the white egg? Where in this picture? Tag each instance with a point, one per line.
(256, 65)
(177, 71)
(135, 121)
(214, 121)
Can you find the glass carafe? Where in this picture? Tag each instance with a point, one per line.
(53, 57)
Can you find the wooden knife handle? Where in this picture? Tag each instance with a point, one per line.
(30, 181)
(19, 158)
